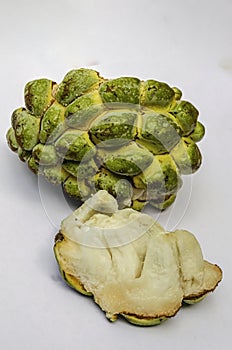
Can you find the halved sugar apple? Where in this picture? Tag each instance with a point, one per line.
(90, 133)
(129, 264)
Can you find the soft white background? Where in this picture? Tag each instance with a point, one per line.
(187, 43)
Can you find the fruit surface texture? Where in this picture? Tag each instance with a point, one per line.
(131, 137)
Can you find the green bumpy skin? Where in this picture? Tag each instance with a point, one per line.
(76, 83)
(114, 184)
(158, 133)
(81, 170)
(45, 154)
(38, 95)
(74, 145)
(157, 95)
(121, 91)
(198, 133)
(52, 123)
(33, 165)
(26, 127)
(187, 156)
(131, 137)
(54, 174)
(11, 140)
(163, 202)
(186, 115)
(71, 187)
(128, 160)
(144, 321)
(23, 154)
(160, 178)
(114, 128)
(178, 93)
(83, 110)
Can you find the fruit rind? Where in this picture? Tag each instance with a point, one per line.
(119, 125)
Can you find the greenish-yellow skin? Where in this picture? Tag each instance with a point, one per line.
(70, 186)
(11, 140)
(144, 321)
(23, 154)
(83, 110)
(26, 127)
(45, 154)
(114, 128)
(75, 84)
(158, 130)
(186, 115)
(74, 145)
(186, 155)
(81, 170)
(116, 185)
(197, 133)
(52, 123)
(38, 95)
(161, 176)
(88, 125)
(128, 160)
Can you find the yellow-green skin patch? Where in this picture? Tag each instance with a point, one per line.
(71, 187)
(159, 131)
(75, 84)
(45, 154)
(114, 184)
(186, 115)
(74, 145)
(164, 202)
(161, 176)
(121, 90)
(195, 300)
(11, 140)
(83, 110)
(70, 279)
(23, 154)
(52, 123)
(26, 127)
(54, 174)
(187, 156)
(198, 133)
(157, 94)
(128, 160)
(114, 128)
(146, 321)
(38, 95)
(33, 165)
(83, 170)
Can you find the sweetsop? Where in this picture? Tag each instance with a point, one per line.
(130, 137)
(127, 262)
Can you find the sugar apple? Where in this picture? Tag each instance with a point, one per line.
(129, 264)
(130, 137)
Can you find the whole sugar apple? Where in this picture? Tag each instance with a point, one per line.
(130, 137)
